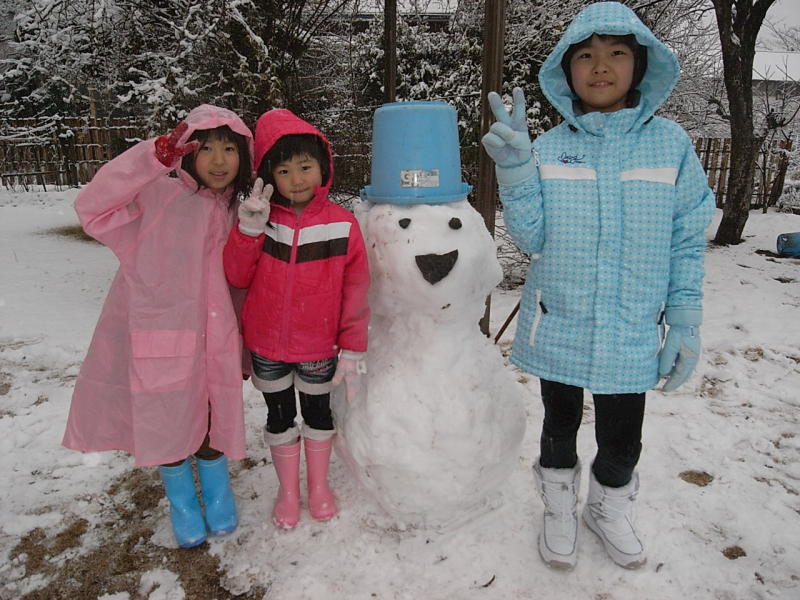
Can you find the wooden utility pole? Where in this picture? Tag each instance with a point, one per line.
(494, 32)
(390, 50)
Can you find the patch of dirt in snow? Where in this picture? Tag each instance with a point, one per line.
(5, 383)
(698, 478)
(75, 232)
(84, 561)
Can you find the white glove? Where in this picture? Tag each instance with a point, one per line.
(254, 211)
(508, 142)
(350, 369)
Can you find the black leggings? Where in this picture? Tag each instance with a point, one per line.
(618, 431)
(282, 410)
(205, 451)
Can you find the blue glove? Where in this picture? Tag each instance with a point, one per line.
(681, 350)
(507, 141)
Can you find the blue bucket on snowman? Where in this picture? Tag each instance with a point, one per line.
(415, 155)
(789, 244)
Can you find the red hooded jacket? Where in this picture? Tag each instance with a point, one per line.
(307, 276)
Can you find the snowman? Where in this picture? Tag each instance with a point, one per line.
(438, 429)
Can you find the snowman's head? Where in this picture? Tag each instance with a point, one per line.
(433, 259)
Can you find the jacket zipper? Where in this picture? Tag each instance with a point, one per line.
(288, 300)
(540, 309)
(662, 327)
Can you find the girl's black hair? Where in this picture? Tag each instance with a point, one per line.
(639, 57)
(289, 146)
(241, 185)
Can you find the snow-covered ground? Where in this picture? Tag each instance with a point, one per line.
(91, 526)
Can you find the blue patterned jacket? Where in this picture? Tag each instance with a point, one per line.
(615, 217)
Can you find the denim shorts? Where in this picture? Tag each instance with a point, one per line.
(312, 377)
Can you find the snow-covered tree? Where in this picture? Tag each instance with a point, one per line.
(157, 59)
(687, 27)
(58, 52)
(184, 53)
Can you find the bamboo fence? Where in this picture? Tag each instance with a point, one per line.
(68, 152)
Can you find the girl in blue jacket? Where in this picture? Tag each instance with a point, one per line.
(612, 204)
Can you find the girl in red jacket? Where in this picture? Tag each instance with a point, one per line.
(305, 315)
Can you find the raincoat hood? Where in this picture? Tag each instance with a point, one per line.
(610, 18)
(278, 122)
(208, 116)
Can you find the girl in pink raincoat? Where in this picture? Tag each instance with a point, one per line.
(163, 376)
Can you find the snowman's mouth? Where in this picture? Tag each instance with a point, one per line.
(435, 267)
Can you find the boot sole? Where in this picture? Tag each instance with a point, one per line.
(630, 565)
(323, 517)
(285, 526)
(192, 544)
(557, 564)
(224, 530)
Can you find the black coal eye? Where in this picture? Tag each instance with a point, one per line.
(455, 223)
(404, 223)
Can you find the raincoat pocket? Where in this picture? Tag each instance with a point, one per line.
(163, 359)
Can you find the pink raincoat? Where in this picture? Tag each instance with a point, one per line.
(165, 359)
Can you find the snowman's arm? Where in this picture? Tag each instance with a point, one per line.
(240, 257)
(523, 213)
(355, 314)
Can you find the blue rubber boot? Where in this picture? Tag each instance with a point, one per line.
(218, 496)
(184, 509)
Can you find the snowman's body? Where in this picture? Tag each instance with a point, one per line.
(440, 425)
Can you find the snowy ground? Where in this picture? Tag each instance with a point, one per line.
(719, 506)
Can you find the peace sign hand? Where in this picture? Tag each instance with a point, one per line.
(254, 210)
(507, 141)
(168, 152)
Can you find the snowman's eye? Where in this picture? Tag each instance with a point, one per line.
(455, 223)
(404, 223)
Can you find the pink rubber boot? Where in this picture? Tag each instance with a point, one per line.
(321, 503)
(286, 459)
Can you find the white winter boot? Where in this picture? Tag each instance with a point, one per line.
(558, 541)
(609, 513)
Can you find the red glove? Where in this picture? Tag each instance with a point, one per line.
(167, 150)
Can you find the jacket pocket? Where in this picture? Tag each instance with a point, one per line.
(537, 317)
(162, 360)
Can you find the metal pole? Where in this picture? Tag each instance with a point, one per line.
(492, 79)
(390, 50)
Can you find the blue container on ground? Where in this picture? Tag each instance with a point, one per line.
(789, 244)
(416, 156)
